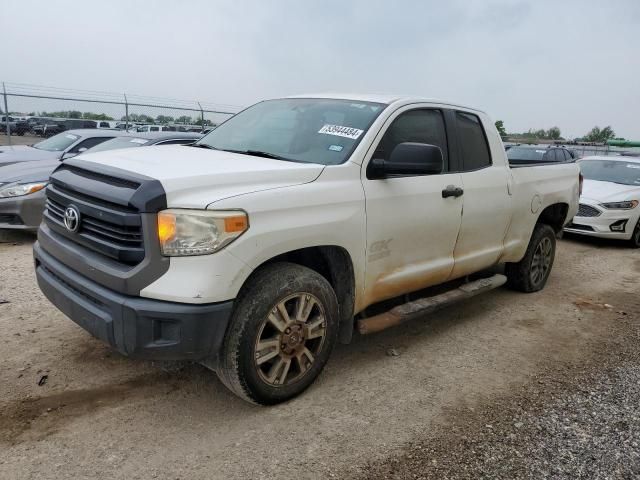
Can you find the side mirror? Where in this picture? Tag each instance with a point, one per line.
(68, 155)
(82, 149)
(409, 158)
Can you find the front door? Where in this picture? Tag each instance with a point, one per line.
(411, 227)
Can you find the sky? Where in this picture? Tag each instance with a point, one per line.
(532, 64)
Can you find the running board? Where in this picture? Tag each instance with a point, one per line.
(410, 310)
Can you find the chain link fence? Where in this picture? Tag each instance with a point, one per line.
(34, 110)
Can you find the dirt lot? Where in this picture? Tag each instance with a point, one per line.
(19, 140)
(412, 402)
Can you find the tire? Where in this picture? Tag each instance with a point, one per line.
(531, 273)
(266, 360)
(635, 237)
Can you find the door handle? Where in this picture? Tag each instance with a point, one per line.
(452, 191)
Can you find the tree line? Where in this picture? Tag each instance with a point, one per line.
(133, 117)
(596, 134)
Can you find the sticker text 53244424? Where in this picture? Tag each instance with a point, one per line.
(340, 131)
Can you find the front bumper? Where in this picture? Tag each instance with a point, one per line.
(600, 226)
(22, 213)
(134, 326)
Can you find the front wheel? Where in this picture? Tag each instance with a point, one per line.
(635, 237)
(531, 273)
(281, 334)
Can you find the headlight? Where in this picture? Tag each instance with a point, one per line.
(621, 205)
(21, 189)
(199, 232)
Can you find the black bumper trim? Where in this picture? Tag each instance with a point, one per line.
(134, 326)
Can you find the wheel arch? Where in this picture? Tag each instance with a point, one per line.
(554, 215)
(335, 264)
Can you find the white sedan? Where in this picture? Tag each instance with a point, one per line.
(609, 200)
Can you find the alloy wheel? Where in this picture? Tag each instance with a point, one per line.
(289, 339)
(541, 262)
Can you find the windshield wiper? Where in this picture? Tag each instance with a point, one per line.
(202, 145)
(260, 153)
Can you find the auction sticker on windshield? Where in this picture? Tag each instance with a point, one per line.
(71, 137)
(340, 131)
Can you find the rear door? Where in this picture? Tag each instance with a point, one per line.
(486, 210)
(411, 228)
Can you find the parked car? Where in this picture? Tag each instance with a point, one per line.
(609, 201)
(520, 154)
(22, 199)
(17, 126)
(37, 125)
(59, 127)
(256, 249)
(155, 128)
(63, 145)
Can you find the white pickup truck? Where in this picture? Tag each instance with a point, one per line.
(293, 224)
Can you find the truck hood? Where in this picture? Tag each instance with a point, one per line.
(24, 153)
(609, 192)
(195, 177)
(22, 172)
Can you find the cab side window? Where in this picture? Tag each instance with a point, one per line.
(420, 126)
(474, 147)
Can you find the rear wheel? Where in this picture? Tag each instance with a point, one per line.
(531, 273)
(281, 334)
(635, 238)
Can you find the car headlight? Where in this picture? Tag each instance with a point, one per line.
(21, 189)
(628, 205)
(199, 232)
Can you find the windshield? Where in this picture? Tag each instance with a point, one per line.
(119, 142)
(57, 143)
(519, 153)
(323, 131)
(625, 173)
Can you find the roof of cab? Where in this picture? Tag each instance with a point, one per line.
(387, 99)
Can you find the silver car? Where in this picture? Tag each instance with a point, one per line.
(22, 184)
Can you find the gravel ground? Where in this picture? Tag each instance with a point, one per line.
(581, 423)
(482, 388)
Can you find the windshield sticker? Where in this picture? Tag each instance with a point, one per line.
(541, 151)
(336, 148)
(141, 141)
(71, 137)
(340, 131)
(629, 165)
(358, 105)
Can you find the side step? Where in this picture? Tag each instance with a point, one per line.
(408, 311)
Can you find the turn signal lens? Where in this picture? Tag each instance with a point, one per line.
(166, 227)
(238, 223)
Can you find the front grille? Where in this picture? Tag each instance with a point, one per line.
(588, 211)
(576, 226)
(105, 227)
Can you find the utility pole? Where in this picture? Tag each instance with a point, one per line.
(6, 114)
(126, 112)
(201, 117)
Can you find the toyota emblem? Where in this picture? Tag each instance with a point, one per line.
(72, 219)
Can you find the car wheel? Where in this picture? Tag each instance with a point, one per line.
(281, 334)
(531, 273)
(635, 237)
